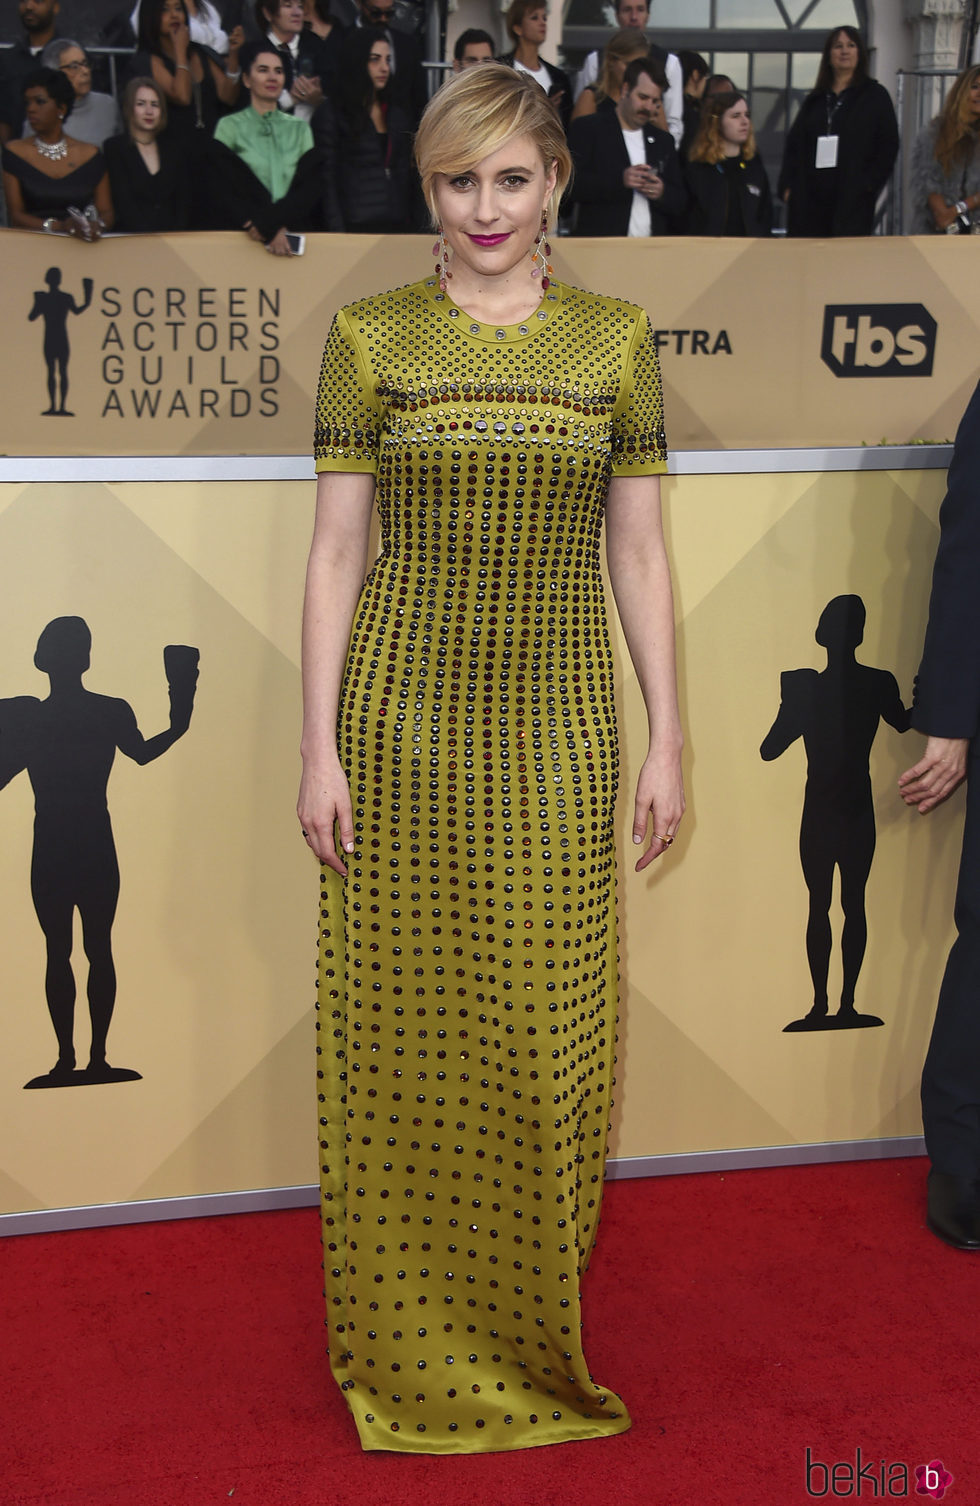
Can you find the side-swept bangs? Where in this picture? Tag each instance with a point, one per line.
(474, 113)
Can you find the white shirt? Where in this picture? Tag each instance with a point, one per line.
(640, 208)
(673, 97)
(540, 75)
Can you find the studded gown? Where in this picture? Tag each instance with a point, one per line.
(468, 969)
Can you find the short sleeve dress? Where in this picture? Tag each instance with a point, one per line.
(467, 986)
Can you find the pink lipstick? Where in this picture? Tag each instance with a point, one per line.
(490, 240)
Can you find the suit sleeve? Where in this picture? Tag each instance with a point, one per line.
(593, 183)
(673, 201)
(947, 695)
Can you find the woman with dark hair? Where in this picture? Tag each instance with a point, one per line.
(527, 24)
(148, 170)
(365, 137)
(725, 177)
(266, 176)
(51, 181)
(194, 80)
(944, 180)
(841, 147)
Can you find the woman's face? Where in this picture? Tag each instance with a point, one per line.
(736, 124)
(76, 65)
(534, 27)
(491, 214)
(172, 17)
(843, 53)
(40, 111)
(379, 65)
(146, 110)
(266, 78)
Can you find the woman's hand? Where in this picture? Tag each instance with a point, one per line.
(279, 246)
(944, 215)
(324, 803)
(659, 799)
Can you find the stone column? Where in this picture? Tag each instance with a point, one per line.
(937, 34)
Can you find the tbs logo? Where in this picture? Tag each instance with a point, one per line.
(878, 339)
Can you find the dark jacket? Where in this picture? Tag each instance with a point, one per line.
(600, 157)
(711, 184)
(839, 200)
(238, 195)
(368, 176)
(146, 201)
(560, 85)
(947, 691)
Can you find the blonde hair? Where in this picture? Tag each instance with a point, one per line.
(474, 113)
(709, 143)
(954, 138)
(623, 46)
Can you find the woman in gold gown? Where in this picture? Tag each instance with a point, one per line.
(459, 776)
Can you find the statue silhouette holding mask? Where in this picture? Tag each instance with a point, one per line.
(67, 744)
(53, 307)
(836, 712)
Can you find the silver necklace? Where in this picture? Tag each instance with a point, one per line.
(56, 152)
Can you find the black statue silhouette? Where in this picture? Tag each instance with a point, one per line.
(53, 307)
(836, 712)
(67, 744)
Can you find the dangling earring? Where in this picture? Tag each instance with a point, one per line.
(440, 251)
(541, 256)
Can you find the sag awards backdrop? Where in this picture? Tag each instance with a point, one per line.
(158, 908)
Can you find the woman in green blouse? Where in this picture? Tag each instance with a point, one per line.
(266, 175)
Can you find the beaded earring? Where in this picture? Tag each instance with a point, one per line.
(440, 251)
(541, 256)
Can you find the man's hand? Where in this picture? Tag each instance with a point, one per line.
(940, 770)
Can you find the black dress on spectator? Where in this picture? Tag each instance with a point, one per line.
(832, 201)
(51, 198)
(369, 184)
(730, 197)
(148, 202)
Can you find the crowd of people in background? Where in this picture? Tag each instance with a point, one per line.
(297, 123)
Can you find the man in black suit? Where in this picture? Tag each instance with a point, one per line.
(628, 178)
(947, 709)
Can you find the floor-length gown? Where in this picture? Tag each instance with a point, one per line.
(468, 970)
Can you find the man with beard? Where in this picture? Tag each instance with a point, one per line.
(628, 177)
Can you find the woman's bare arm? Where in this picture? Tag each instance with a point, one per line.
(334, 577)
(640, 577)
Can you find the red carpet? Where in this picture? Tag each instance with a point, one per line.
(744, 1318)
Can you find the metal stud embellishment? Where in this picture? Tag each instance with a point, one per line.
(467, 981)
